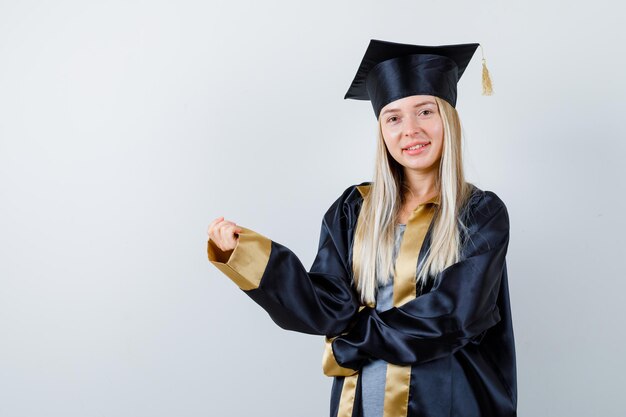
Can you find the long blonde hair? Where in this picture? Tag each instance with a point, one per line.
(375, 232)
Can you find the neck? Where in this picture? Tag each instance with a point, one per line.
(420, 186)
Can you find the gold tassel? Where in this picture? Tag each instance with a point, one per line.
(487, 87)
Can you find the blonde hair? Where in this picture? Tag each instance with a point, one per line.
(375, 232)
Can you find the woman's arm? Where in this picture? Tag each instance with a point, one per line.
(458, 310)
(320, 301)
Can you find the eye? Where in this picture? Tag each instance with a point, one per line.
(392, 119)
(427, 112)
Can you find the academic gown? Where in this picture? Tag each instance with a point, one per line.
(450, 347)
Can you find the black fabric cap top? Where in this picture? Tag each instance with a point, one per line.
(390, 71)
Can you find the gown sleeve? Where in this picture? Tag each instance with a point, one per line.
(458, 310)
(320, 301)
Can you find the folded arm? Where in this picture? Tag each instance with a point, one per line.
(459, 309)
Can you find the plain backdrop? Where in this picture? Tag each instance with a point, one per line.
(126, 127)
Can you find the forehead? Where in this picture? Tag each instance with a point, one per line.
(409, 102)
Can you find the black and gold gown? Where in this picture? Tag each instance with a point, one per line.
(450, 349)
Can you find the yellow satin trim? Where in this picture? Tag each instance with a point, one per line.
(404, 284)
(398, 382)
(398, 378)
(330, 366)
(348, 391)
(364, 189)
(329, 363)
(245, 264)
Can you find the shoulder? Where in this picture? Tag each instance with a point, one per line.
(352, 194)
(486, 220)
(485, 204)
(356, 192)
(344, 210)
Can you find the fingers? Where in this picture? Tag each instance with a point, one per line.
(218, 223)
(227, 233)
(224, 233)
(213, 223)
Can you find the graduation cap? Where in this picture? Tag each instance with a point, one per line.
(390, 71)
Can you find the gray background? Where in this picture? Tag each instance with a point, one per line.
(126, 127)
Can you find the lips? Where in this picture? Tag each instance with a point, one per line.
(417, 142)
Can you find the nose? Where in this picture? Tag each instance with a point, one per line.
(412, 126)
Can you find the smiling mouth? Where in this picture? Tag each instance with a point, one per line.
(412, 148)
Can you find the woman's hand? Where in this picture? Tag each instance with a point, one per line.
(224, 233)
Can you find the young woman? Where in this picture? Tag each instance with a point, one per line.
(409, 284)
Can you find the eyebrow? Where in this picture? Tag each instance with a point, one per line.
(417, 105)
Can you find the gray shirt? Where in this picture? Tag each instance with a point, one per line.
(374, 373)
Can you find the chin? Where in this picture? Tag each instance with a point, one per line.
(420, 167)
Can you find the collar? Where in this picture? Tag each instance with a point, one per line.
(365, 188)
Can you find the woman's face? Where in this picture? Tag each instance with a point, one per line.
(409, 121)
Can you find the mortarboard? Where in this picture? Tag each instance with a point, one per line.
(390, 71)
